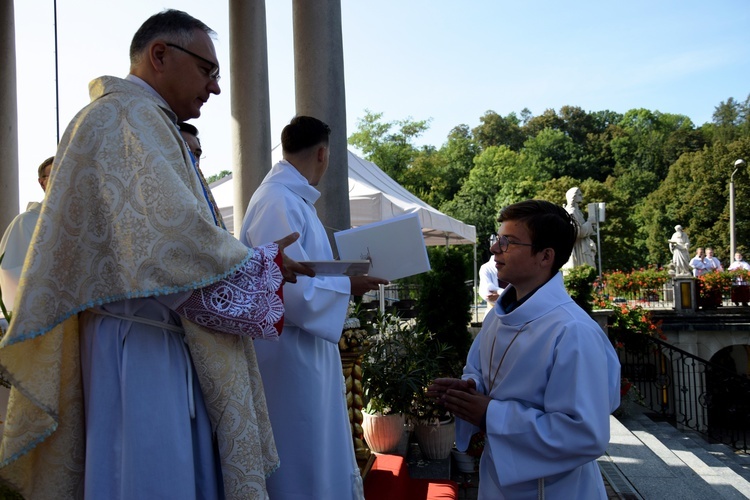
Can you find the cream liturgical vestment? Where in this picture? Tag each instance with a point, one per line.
(126, 218)
(554, 379)
(302, 371)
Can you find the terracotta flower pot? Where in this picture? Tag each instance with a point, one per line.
(383, 432)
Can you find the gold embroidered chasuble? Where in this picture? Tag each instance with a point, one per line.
(125, 216)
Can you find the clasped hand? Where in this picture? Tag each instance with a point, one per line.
(461, 398)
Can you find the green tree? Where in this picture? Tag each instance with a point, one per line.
(727, 117)
(437, 175)
(496, 130)
(393, 151)
(213, 178)
(496, 180)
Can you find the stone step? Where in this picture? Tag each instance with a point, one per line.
(660, 461)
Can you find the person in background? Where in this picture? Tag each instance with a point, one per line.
(190, 134)
(698, 263)
(489, 285)
(131, 350)
(302, 372)
(739, 263)
(16, 240)
(541, 378)
(712, 263)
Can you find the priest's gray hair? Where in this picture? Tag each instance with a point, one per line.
(172, 25)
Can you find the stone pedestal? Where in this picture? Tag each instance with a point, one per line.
(685, 295)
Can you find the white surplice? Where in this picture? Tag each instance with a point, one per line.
(302, 372)
(551, 398)
(13, 247)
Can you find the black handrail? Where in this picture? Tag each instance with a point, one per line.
(688, 391)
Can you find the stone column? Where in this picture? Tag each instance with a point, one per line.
(319, 88)
(251, 115)
(8, 117)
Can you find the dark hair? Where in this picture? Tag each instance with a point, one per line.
(549, 225)
(304, 132)
(175, 25)
(40, 170)
(187, 127)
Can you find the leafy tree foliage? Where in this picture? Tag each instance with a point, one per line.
(495, 130)
(653, 170)
(393, 152)
(213, 178)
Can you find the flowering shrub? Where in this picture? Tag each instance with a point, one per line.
(629, 325)
(650, 278)
(638, 283)
(716, 282)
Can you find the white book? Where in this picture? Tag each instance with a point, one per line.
(395, 247)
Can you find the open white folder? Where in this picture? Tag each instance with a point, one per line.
(395, 247)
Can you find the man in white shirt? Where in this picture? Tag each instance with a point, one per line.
(698, 263)
(712, 263)
(739, 263)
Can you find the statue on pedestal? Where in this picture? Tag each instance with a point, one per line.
(584, 250)
(679, 245)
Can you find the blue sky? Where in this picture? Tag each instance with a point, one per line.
(447, 61)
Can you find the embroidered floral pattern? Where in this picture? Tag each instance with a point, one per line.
(244, 303)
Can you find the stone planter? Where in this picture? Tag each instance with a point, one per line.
(383, 432)
(436, 440)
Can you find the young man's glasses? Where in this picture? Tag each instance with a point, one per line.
(212, 73)
(503, 242)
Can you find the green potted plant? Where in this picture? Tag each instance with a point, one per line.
(392, 374)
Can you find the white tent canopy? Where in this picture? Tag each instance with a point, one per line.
(373, 196)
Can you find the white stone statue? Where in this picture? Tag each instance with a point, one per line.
(679, 245)
(584, 250)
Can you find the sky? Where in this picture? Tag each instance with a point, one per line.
(444, 61)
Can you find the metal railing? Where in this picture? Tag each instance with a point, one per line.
(689, 391)
(663, 297)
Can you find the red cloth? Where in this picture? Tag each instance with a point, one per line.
(389, 480)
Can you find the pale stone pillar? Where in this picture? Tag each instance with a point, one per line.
(251, 115)
(319, 87)
(8, 117)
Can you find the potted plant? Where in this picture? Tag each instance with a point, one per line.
(434, 427)
(391, 376)
(468, 460)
